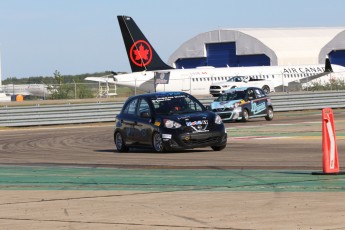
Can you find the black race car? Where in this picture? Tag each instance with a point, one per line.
(167, 121)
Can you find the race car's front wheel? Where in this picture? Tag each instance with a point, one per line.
(157, 143)
(245, 115)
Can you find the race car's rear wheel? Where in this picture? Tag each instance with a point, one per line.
(266, 89)
(157, 143)
(269, 116)
(120, 143)
(245, 115)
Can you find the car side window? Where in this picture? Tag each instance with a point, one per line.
(251, 94)
(143, 107)
(131, 107)
(192, 105)
(259, 93)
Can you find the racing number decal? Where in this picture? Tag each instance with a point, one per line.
(141, 53)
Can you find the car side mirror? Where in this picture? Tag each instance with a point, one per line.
(208, 107)
(145, 115)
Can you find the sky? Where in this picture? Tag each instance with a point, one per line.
(38, 37)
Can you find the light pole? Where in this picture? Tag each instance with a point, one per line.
(75, 89)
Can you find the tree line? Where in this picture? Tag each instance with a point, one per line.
(63, 86)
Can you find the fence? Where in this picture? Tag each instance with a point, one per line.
(106, 111)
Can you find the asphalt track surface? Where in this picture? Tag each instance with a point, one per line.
(71, 177)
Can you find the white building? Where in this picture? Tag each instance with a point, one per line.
(264, 46)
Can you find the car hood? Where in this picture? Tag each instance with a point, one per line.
(224, 104)
(191, 119)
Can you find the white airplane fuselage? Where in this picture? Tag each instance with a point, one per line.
(26, 89)
(197, 81)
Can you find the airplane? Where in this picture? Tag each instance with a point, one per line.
(39, 90)
(150, 73)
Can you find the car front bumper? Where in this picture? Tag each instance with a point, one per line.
(229, 114)
(176, 140)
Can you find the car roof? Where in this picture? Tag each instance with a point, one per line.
(240, 89)
(161, 94)
(237, 89)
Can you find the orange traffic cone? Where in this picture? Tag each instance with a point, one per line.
(330, 161)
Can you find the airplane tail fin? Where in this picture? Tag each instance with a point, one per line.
(328, 69)
(140, 52)
(328, 66)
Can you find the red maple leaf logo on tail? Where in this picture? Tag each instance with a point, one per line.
(142, 52)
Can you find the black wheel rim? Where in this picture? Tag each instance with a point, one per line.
(157, 142)
(118, 141)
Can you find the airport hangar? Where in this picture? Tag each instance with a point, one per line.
(261, 47)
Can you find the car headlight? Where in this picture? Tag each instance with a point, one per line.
(236, 104)
(171, 124)
(238, 109)
(218, 120)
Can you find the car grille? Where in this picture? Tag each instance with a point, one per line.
(201, 141)
(190, 129)
(214, 87)
(222, 110)
(224, 115)
(200, 138)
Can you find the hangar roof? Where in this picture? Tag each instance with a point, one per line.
(284, 46)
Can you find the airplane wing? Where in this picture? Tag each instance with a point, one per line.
(101, 79)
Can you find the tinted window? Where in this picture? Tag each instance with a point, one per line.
(233, 95)
(143, 107)
(259, 93)
(251, 94)
(131, 107)
(176, 104)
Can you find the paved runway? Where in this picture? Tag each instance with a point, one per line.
(70, 177)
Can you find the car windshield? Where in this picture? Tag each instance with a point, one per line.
(235, 79)
(177, 104)
(233, 95)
